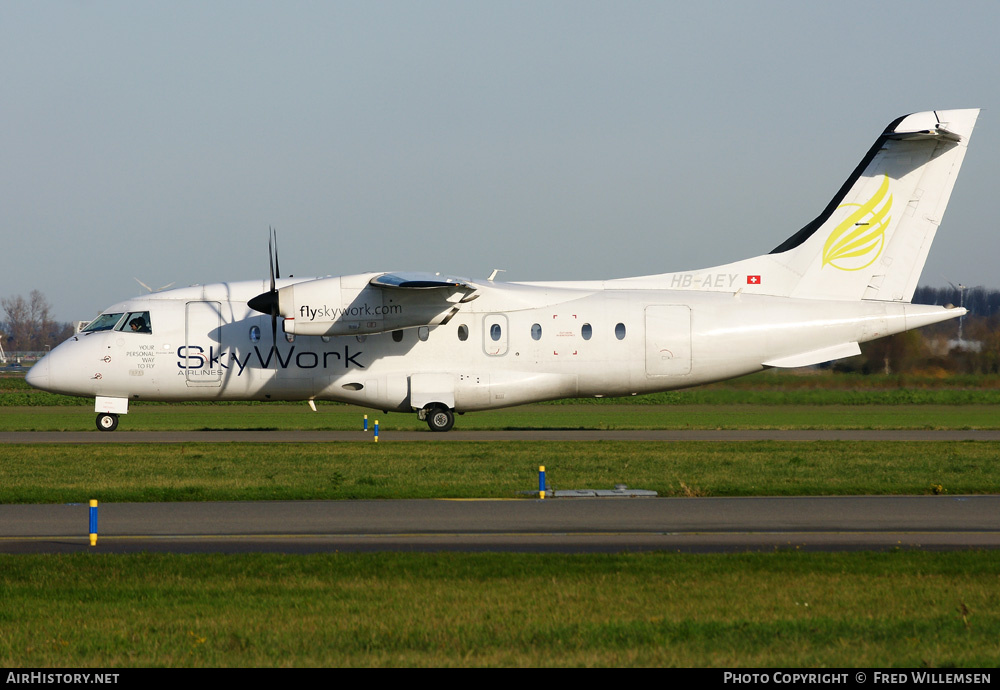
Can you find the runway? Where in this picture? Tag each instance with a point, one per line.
(572, 525)
(280, 436)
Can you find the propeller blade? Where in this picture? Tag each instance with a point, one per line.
(270, 255)
(267, 302)
(277, 271)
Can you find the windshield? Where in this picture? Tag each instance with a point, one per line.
(104, 322)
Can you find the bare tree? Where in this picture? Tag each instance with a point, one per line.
(17, 325)
(29, 324)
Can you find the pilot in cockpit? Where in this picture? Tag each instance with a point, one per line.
(138, 325)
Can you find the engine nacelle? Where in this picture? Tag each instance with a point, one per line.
(351, 305)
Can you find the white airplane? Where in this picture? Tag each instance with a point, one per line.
(439, 345)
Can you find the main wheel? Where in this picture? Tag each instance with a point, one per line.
(440, 418)
(107, 421)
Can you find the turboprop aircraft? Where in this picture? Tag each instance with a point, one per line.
(438, 345)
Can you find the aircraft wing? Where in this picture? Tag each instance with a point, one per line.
(412, 280)
(371, 303)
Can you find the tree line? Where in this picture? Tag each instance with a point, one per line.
(28, 325)
(978, 300)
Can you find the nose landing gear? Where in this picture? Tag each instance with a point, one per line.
(107, 421)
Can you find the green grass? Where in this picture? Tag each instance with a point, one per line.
(344, 417)
(768, 400)
(772, 387)
(62, 473)
(784, 609)
(781, 609)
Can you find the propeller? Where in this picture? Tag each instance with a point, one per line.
(267, 302)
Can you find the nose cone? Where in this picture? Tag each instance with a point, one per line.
(265, 303)
(38, 375)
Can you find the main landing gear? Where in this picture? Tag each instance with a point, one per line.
(107, 421)
(439, 417)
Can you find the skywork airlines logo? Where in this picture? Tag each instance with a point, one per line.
(193, 360)
(326, 313)
(860, 237)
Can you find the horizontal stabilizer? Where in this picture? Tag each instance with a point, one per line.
(940, 131)
(825, 354)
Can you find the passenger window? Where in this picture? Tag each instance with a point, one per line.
(620, 331)
(586, 331)
(423, 332)
(463, 332)
(536, 331)
(397, 336)
(254, 334)
(495, 335)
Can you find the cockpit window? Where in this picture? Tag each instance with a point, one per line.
(136, 322)
(104, 322)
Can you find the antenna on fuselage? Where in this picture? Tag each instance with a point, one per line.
(151, 290)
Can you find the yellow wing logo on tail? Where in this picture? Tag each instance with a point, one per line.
(860, 238)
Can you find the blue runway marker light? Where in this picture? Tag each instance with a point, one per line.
(93, 522)
(541, 481)
(366, 422)
(376, 431)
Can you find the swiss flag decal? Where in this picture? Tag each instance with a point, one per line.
(753, 280)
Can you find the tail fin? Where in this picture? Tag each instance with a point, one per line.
(872, 239)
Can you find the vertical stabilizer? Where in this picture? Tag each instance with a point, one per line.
(872, 239)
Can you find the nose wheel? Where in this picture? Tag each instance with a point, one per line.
(107, 421)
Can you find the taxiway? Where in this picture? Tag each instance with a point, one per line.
(556, 525)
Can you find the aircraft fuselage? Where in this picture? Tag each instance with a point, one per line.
(500, 350)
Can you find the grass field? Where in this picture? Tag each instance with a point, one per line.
(335, 471)
(290, 416)
(768, 400)
(786, 609)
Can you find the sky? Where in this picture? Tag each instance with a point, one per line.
(571, 140)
